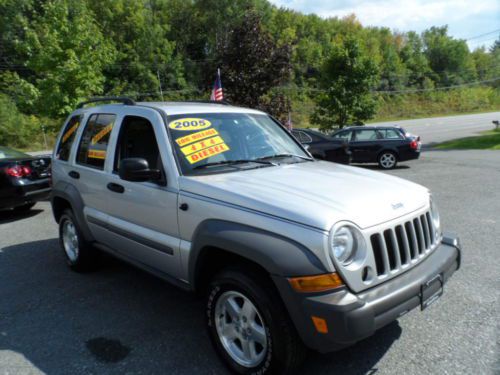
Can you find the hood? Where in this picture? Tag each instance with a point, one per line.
(316, 194)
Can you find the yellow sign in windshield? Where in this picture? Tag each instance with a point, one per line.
(189, 124)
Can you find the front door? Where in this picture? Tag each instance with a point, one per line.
(142, 220)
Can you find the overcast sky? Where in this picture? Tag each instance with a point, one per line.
(465, 18)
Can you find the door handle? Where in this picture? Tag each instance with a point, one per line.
(74, 174)
(116, 188)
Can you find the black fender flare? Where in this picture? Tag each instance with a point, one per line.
(277, 254)
(69, 193)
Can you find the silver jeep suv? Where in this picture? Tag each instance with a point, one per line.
(289, 252)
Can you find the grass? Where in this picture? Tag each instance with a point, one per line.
(489, 140)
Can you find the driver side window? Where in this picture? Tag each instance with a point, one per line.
(137, 140)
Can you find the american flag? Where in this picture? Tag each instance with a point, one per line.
(217, 93)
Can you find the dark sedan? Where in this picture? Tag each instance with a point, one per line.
(24, 179)
(384, 145)
(322, 146)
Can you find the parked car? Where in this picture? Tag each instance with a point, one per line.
(289, 252)
(323, 147)
(24, 179)
(384, 145)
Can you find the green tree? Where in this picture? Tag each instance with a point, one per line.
(145, 57)
(347, 78)
(449, 58)
(415, 61)
(252, 64)
(66, 54)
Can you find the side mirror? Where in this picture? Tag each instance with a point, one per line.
(137, 170)
(307, 147)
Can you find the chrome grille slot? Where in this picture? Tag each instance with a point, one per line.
(376, 240)
(402, 245)
(431, 229)
(397, 247)
(419, 234)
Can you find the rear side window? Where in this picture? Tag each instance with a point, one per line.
(94, 142)
(365, 135)
(391, 134)
(67, 138)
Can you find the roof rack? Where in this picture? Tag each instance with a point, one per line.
(121, 99)
(223, 102)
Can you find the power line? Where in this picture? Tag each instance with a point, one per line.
(439, 88)
(479, 36)
(311, 89)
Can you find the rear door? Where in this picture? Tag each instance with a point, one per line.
(88, 170)
(365, 145)
(142, 216)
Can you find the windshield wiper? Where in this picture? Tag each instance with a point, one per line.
(233, 162)
(285, 156)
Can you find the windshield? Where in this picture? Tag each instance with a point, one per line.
(8, 153)
(216, 142)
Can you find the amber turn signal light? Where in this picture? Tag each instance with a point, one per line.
(316, 283)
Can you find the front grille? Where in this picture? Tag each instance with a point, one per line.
(396, 248)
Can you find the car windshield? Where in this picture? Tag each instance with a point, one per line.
(215, 142)
(8, 153)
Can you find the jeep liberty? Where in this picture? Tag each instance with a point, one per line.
(289, 252)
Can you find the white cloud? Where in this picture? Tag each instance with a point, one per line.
(466, 18)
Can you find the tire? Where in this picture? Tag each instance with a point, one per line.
(24, 208)
(79, 254)
(277, 348)
(387, 160)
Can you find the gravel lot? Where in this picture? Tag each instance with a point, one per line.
(120, 320)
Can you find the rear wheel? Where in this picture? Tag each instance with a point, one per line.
(79, 254)
(249, 326)
(387, 160)
(25, 207)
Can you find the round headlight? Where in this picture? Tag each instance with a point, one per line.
(343, 244)
(435, 216)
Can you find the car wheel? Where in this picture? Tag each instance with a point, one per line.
(249, 326)
(387, 160)
(24, 207)
(79, 254)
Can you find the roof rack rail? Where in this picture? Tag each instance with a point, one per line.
(223, 102)
(121, 99)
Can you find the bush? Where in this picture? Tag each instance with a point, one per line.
(23, 131)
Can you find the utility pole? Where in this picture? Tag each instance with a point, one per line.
(159, 84)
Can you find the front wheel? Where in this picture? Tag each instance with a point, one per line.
(249, 326)
(387, 160)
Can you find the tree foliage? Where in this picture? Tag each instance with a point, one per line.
(347, 78)
(54, 53)
(66, 53)
(252, 64)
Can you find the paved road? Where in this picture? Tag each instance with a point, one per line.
(440, 129)
(121, 320)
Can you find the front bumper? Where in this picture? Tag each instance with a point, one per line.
(353, 317)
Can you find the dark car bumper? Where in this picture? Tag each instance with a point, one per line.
(409, 155)
(353, 317)
(23, 192)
